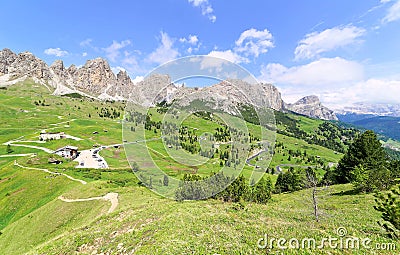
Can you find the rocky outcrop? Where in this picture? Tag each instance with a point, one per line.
(58, 68)
(7, 57)
(154, 89)
(312, 107)
(123, 87)
(95, 77)
(26, 64)
(227, 96)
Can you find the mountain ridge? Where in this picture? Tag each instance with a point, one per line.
(96, 79)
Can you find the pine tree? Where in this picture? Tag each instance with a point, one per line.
(262, 191)
(166, 180)
(389, 205)
(9, 149)
(366, 151)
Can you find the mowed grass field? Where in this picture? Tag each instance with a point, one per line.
(34, 221)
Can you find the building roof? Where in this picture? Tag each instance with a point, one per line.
(68, 147)
(51, 133)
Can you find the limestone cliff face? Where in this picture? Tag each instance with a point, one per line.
(312, 107)
(96, 79)
(26, 64)
(227, 94)
(7, 57)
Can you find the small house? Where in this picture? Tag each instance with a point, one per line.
(44, 136)
(70, 152)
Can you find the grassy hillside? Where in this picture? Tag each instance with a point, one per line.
(34, 220)
(147, 224)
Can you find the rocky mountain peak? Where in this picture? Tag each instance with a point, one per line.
(308, 100)
(123, 76)
(6, 58)
(95, 77)
(26, 64)
(58, 67)
(72, 69)
(312, 107)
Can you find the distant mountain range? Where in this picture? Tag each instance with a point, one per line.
(384, 119)
(371, 109)
(388, 126)
(96, 79)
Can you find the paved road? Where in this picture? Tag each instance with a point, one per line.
(255, 154)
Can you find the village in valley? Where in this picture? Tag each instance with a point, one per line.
(88, 158)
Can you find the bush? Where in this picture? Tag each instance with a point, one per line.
(389, 205)
(193, 187)
(290, 181)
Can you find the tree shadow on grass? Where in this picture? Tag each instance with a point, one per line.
(348, 192)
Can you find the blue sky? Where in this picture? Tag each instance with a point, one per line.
(343, 51)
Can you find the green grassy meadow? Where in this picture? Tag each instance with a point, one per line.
(33, 220)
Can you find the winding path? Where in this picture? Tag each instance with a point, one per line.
(255, 154)
(16, 155)
(50, 172)
(33, 147)
(112, 197)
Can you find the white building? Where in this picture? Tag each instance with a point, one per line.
(44, 136)
(70, 152)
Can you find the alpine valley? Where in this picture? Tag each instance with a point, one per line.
(69, 184)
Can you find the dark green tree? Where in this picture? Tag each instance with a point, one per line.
(366, 152)
(9, 149)
(289, 181)
(165, 180)
(262, 191)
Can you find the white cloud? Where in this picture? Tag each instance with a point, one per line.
(117, 69)
(254, 42)
(113, 51)
(393, 13)
(165, 52)
(324, 72)
(191, 39)
(84, 54)
(228, 55)
(55, 52)
(138, 79)
(330, 39)
(336, 81)
(251, 42)
(206, 8)
(86, 42)
(374, 91)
